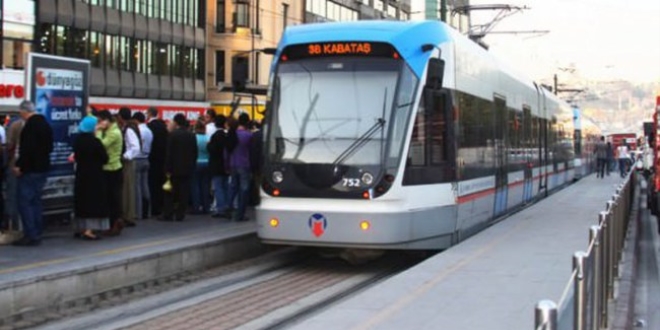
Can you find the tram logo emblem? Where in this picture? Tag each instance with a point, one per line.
(318, 223)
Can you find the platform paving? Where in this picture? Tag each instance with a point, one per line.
(60, 251)
(490, 281)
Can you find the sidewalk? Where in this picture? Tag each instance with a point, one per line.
(492, 280)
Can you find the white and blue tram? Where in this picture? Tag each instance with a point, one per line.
(401, 135)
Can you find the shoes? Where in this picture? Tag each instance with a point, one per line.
(224, 215)
(130, 223)
(244, 218)
(165, 218)
(26, 242)
(179, 219)
(89, 236)
(116, 228)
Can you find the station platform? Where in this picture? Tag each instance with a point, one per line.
(64, 268)
(492, 280)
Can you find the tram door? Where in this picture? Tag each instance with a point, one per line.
(545, 155)
(501, 157)
(528, 151)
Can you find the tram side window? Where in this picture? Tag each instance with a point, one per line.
(429, 157)
(438, 132)
(527, 142)
(417, 150)
(430, 153)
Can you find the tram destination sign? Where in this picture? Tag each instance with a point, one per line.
(339, 48)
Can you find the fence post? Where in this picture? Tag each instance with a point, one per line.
(594, 236)
(602, 276)
(580, 291)
(545, 315)
(609, 247)
(619, 209)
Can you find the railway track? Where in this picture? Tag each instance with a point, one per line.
(271, 291)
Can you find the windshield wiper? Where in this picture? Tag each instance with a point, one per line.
(305, 121)
(362, 140)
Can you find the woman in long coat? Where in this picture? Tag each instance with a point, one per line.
(90, 200)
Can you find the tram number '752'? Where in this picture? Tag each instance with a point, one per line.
(351, 182)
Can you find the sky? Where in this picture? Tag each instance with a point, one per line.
(604, 40)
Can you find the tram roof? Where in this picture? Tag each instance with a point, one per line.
(406, 36)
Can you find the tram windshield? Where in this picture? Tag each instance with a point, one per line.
(340, 111)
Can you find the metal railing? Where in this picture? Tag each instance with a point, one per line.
(584, 303)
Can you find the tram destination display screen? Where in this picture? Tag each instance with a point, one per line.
(339, 48)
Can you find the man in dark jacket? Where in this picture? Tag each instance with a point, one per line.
(31, 168)
(180, 163)
(219, 168)
(156, 160)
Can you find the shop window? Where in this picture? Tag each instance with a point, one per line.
(220, 16)
(97, 40)
(160, 59)
(199, 64)
(241, 14)
(285, 14)
(153, 8)
(175, 60)
(165, 9)
(125, 53)
(193, 13)
(219, 66)
(46, 39)
(77, 43)
(127, 6)
(13, 53)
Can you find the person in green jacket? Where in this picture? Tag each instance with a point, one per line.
(111, 138)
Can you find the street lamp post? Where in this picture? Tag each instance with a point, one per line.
(443, 10)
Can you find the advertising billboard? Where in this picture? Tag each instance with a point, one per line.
(59, 88)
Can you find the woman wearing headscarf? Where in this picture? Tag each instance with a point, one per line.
(90, 200)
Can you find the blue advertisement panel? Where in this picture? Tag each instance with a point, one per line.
(58, 86)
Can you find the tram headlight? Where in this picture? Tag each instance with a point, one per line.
(277, 176)
(367, 178)
(365, 225)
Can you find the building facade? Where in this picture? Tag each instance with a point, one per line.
(17, 34)
(460, 20)
(142, 52)
(353, 10)
(238, 32)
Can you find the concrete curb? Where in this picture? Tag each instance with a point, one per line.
(38, 292)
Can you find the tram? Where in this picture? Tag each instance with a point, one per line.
(401, 135)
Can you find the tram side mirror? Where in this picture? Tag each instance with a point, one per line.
(435, 73)
(269, 51)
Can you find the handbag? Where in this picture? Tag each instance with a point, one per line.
(167, 186)
(10, 236)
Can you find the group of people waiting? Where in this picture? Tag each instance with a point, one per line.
(131, 166)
